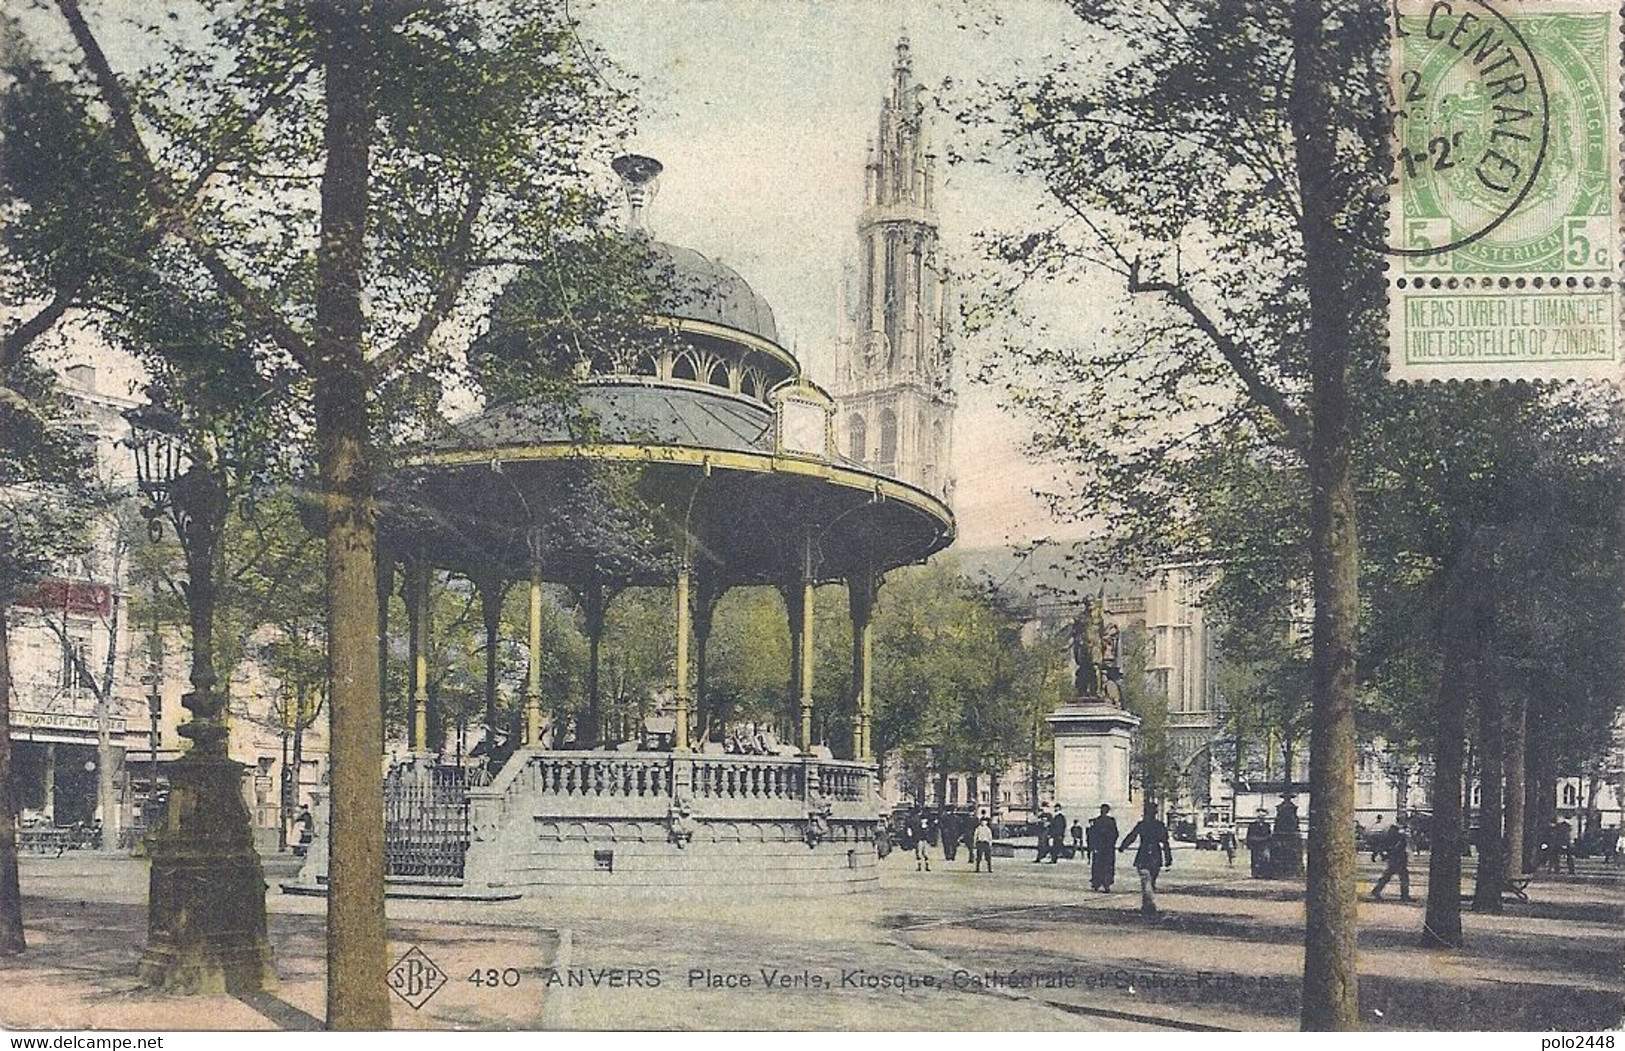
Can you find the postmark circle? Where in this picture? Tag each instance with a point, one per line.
(1467, 150)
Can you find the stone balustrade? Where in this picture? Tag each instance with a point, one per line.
(645, 785)
(599, 819)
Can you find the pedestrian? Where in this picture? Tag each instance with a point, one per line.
(949, 829)
(1258, 843)
(922, 860)
(1396, 850)
(1378, 837)
(307, 831)
(1286, 849)
(1057, 835)
(1077, 839)
(1563, 844)
(1227, 843)
(1101, 846)
(983, 844)
(1043, 834)
(1154, 854)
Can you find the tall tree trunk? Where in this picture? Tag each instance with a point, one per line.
(12, 940)
(1512, 844)
(1330, 978)
(107, 808)
(1461, 634)
(300, 721)
(1540, 802)
(357, 997)
(1491, 760)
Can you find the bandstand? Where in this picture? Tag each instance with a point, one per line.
(703, 462)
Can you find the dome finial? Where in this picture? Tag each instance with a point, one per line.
(640, 178)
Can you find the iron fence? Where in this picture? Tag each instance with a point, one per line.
(425, 821)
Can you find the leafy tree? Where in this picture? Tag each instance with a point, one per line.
(1273, 315)
(364, 161)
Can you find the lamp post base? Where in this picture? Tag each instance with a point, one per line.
(206, 896)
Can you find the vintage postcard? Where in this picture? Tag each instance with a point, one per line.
(765, 515)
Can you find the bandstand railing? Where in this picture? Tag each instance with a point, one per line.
(575, 780)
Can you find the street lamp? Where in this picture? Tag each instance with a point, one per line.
(206, 907)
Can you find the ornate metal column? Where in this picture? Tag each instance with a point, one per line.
(706, 596)
(594, 608)
(493, 589)
(680, 729)
(416, 589)
(206, 891)
(795, 617)
(860, 591)
(533, 681)
(806, 640)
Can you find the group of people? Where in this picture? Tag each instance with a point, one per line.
(1277, 850)
(955, 831)
(1099, 843)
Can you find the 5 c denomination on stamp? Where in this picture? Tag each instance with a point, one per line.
(1505, 205)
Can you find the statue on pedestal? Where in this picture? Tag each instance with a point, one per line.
(1095, 646)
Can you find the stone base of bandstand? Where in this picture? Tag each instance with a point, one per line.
(206, 895)
(1092, 743)
(654, 825)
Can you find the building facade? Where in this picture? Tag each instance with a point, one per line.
(96, 694)
(893, 383)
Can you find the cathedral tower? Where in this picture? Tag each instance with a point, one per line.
(893, 384)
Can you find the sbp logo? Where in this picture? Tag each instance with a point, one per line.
(415, 978)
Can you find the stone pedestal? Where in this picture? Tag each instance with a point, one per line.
(1092, 739)
(206, 898)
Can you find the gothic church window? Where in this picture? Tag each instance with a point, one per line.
(857, 430)
(888, 436)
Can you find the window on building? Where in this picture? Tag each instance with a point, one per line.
(75, 665)
(857, 432)
(888, 436)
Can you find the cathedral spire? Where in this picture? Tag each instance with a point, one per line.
(893, 384)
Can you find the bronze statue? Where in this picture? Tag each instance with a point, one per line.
(1088, 646)
(1095, 654)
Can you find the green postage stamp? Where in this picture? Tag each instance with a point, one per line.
(1504, 214)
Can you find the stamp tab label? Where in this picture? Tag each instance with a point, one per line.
(1504, 213)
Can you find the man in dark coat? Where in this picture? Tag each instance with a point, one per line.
(1043, 834)
(1057, 835)
(950, 834)
(1258, 843)
(1396, 850)
(1154, 854)
(1287, 848)
(1101, 845)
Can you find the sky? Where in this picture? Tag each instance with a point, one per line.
(760, 111)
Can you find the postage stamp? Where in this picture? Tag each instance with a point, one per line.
(1504, 217)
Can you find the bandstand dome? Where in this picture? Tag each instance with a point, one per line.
(704, 289)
